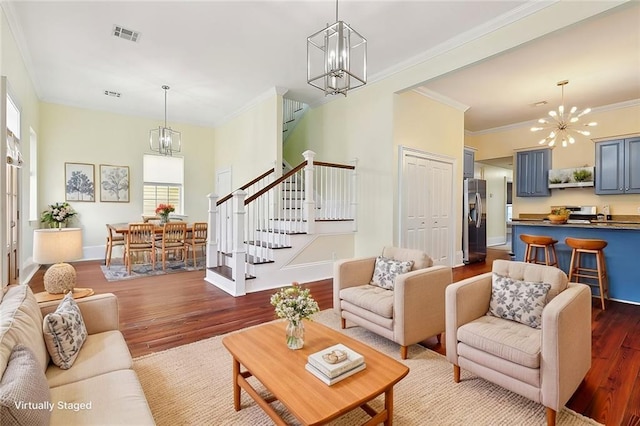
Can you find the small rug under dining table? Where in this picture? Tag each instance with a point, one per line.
(117, 271)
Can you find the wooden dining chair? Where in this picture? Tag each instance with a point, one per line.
(113, 239)
(141, 238)
(198, 238)
(174, 235)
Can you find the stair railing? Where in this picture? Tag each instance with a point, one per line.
(262, 215)
(224, 222)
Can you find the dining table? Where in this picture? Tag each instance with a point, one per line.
(123, 228)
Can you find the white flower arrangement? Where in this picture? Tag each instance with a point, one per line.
(294, 303)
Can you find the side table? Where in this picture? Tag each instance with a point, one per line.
(78, 293)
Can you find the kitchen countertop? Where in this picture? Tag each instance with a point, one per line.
(609, 224)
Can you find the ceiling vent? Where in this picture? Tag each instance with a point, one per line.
(112, 93)
(126, 34)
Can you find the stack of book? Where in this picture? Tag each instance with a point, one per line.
(335, 363)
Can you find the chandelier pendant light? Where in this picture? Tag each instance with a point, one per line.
(562, 122)
(336, 58)
(165, 140)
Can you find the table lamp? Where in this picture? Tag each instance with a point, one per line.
(56, 246)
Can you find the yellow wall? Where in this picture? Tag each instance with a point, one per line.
(431, 127)
(611, 125)
(77, 135)
(250, 143)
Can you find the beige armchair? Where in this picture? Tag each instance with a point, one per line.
(410, 313)
(543, 364)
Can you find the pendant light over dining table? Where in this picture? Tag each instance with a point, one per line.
(563, 123)
(165, 140)
(336, 58)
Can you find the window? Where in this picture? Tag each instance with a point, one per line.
(163, 182)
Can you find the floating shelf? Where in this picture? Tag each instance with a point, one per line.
(566, 178)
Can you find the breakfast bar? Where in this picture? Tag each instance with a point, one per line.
(621, 253)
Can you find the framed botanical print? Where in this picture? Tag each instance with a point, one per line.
(79, 182)
(114, 184)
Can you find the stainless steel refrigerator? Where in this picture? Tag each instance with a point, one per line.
(474, 228)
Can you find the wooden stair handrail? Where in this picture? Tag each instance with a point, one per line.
(245, 186)
(334, 165)
(276, 182)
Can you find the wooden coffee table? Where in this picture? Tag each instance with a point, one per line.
(263, 353)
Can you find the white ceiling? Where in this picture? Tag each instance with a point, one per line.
(218, 56)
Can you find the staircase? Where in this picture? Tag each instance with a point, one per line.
(273, 231)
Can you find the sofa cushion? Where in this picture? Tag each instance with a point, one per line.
(505, 339)
(21, 322)
(420, 259)
(114, 398)
(534, 273)
(24, 393)
(64, 332)
(516, 300)
(370, 298)
(386, 270)
(101, 353)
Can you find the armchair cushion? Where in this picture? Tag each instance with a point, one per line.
(371, 298)
(505, 339)
(517, 300)
(386, 270)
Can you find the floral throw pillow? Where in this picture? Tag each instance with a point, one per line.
(386, 270)
(64, 332)
(516, 300)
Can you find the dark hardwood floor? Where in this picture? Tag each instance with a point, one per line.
(162, 312)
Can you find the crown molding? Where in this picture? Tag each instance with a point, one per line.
(438, 97)
(604, 108)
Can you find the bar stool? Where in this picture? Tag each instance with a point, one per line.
(582, 246)
(536, 242)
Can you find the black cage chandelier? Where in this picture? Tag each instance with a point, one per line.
(165, 140)
(336, 58)
(561, 124)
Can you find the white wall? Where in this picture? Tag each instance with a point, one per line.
(496, 201)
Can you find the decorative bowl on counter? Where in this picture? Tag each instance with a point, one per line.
(557, 219)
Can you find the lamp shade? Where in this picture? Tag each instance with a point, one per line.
(57, 245)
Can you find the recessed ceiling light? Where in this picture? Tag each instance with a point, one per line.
(126, 34)
(112, 93)
(539, 103)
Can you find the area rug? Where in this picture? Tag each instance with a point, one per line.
(191, 385)
(116, 271)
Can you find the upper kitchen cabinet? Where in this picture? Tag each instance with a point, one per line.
(618, 166)
(469, 162)
(532, 171)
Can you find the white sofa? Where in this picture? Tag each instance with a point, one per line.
(99, 388)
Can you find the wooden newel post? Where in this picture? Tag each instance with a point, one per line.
(239, 250)
(309, 205)
(212, 237)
